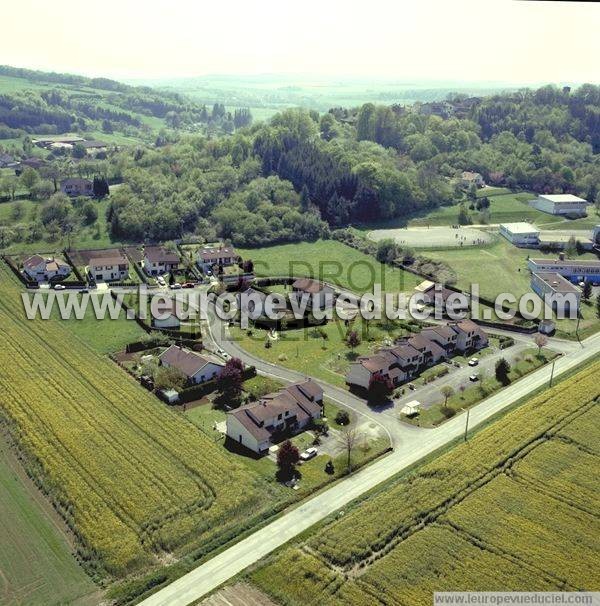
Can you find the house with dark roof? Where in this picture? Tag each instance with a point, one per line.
(214, 257)
(108, 265)
(43, 269)
(158, 260)
(197, 368)
(77, 187)
(317, 295)
(33, 162)
(259, 425)
(411, 355)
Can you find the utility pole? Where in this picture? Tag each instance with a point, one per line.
(552, 372)
(467, 423)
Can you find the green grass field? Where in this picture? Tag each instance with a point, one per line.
(330, 261)
(319, 352)
(505, 207)
(37, 567)
(513, 509)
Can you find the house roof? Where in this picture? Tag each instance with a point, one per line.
(212, 254)
(114, 259)
(311, 286)
(443, 331)
(34, 162)
(404, 351)
(378, 362)
(159, 254)
(187, 362)
(470, 175)
(93, 143)
(51, 264)
(76, 182)
(421, 342)
(293, 399)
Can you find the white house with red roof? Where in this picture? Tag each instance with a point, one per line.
(43, 269)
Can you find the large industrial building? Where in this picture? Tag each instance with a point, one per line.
(561, 204)
(565, 296)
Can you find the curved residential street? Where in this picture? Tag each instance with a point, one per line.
(410, 445)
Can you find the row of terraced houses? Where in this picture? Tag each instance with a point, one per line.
(410, 356)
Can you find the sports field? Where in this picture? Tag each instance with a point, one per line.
(514, 508)
(434, 237)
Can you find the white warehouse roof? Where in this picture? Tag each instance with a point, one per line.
(520, 228)
(562, 198)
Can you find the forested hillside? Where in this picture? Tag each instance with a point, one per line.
(48, 103)
(302, 173)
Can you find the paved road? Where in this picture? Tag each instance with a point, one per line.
(412, 445)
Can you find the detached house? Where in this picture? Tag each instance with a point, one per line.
(197, 368)
(258, 425)
(469, 335)
(109, 267)
(77, 187)
(158, 260)
(468, 178)
(43, 269)
(316, 294)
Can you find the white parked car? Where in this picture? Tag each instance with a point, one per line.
(474, 378)
(308, 454)
(473, 362)
(175, 286)
(59, 287)
(161, 281)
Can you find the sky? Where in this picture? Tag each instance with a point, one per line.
(464, 40)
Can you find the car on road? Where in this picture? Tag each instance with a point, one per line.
(308, 454)
(188, 285)
(473, 362)
(175, 286)
(412, 386)
(59, 287)
(474, 378)
(161, 281)
(84, 291)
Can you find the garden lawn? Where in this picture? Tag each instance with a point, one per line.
(320, 351)
(332, 262)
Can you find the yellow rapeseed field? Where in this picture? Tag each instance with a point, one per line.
(515, 508)
(131, 477)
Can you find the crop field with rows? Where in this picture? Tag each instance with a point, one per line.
(515, 508)
(132, 478)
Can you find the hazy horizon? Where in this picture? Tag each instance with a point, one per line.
(499, 41)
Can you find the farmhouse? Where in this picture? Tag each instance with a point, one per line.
(35, 163)
(316, 294)
(207, 258)
(94, 147)
(109, 267)
(572, 270)
(521, 234)
(565, 296)
(7, 161)
(43, 269)
(158, 260)
(197, 368)
(77, 187)
(561, 204)
(49, 141)
(468, 178)
(258, 425)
